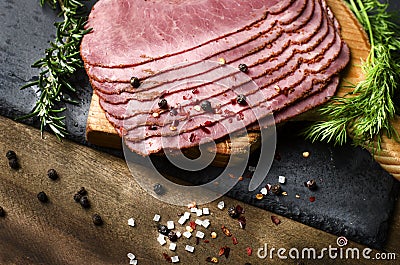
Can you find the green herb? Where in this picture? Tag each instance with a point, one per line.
(60, 62)
(368, 112)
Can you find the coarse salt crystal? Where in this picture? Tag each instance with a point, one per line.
(170, 225)
(189, 248)
(200, 234)
(264, 191)
(206, 211)
(189, 228)
(206, 223)
(133, 262)
(156, 218)
(221, 205)
(282, 179)
(182, 220)
(161, 241)
(175, 259)
(199, 212)
(172, 246)
(156, 114)
(197, 108)
(131, 256)
(131, 222)
(186, 215)
(198, 222)
(187, 234)
(178, 234)
(193, 210)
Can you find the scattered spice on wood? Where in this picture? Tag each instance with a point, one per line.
(275, 220)
(42, 196)
(212, 259)
(284, 193)
(167, 257)
(312, 199)
(172, 236)
(259, 196)
(97, 220)
(234, 240)
(239, 209)
(52, 174)
(206, 241)
(249, 251)
(226, 231)
(241, 100)
(162, 229)
(82, 191)
(13, 163)
(232, 212)
(11, 154)
(163, 104)
(213, 235)
(77, 197)
(2, 212)
(192, 225)
(84, 202)
(227, 252)
(242, 222)
(221, 251)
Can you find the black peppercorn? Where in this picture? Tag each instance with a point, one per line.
(2, 212)
(158, 189)
(162, 229)
(276, 189)
(206, 106)
(247, 263)
(172, 236)
(173, 112)
(311, 184)
(77, 197)
(97, 219)
(135, 82)
(153, 127)
(84, 201)
(11, 154)
(232, 212)
(163, 104)
(13, 163)
(241, 99)
(42, 197)
(243, 67)
(52, 174)
(82, 191)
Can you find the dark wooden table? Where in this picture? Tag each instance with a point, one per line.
(62, 232)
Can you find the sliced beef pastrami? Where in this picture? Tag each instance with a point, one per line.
(229, 112)
(315, 99)
(120, 37)
(234, 46)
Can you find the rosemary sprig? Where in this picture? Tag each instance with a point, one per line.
(60, 62)
(367, 113)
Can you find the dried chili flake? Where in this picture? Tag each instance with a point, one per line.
(221, 251)
(249, 251)
(275, 220)
(195, 91)
(226, 231)
(234, 240)
(240, 116)
(192, 137)
(239, 209)
(192, 225)
(206, 241)
(167, 257)
(312, 199)
(208, 123)
(242, 222)
(187, 97)
(197, 240)
(204, 129)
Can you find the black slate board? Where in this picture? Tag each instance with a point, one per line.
(355, 197)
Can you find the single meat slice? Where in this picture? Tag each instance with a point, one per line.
(232, 46)
(115, 24)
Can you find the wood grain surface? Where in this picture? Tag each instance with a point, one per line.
(101, 132)
(61, 231)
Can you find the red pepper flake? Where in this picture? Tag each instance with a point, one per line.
(239, 209)
(197, 240)
(240, 116)
(167, 257)
(249, 251)
(187, 97)
(192, 225)
(192, 137)
(208, 123)
(231, 176)
(234, 240)
(207, 131)
(226, 231)
(233, 101)
(275, 220)
(195, 91)
(312, 199)
(242, 222)
(221, 251)
(206, 241)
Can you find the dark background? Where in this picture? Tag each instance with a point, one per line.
(355, 197)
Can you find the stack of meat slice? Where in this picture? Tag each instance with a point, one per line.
(174, 74)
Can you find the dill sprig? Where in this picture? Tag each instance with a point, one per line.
(366, 113)
(60, 62)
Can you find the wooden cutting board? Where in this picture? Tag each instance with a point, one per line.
(100, 132)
